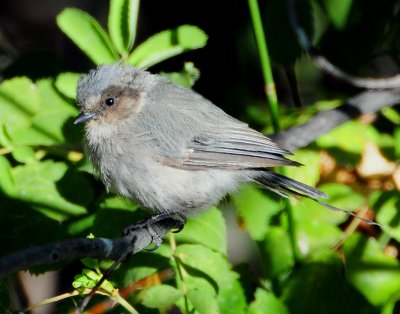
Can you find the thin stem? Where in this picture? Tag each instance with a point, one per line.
(272, 101)
(269, 87)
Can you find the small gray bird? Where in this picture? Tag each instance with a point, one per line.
(168, 148)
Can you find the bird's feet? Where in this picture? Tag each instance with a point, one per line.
(147, 223)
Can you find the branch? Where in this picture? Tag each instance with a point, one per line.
(365, 102)
(72, 249)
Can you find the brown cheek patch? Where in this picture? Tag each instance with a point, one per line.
(129, 103)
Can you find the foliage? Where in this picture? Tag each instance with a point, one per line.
(48, 191)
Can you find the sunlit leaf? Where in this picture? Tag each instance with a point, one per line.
(374, 274)
(167, 44)
(87, 34)
(66, 83)
(266, 303)
(160, 296)
(122, 23)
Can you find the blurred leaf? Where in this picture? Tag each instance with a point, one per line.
(66, 84)
(24, 154)
(207, 229)
(391, 114)
(276, 252)
(87, 34)
(39, 185)
(375, 274)
(256, 209)
(167, 44)
(338, 11)
(122, 21)
(309, 173)
(387, 208)
(339, 137)
(266, 303)
(342, 196)
(118, 202)
(319, 286)
(186, 78)
(160, 296)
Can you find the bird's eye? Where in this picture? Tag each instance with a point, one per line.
(110, 101)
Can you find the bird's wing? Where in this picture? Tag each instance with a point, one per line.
(229, 147)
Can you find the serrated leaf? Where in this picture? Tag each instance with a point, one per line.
(386, 206)
(66, 83)
(202, 295)
(87, 34)
(205, 260)
(231, 295)
(167, 44)
(256, 209)
(52, 189)
(266, 303)
(160, 297)
(122, 21)
(207, 229)
(375, 274)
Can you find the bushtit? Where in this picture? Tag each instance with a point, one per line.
(168, 148)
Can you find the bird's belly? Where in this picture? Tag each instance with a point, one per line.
(165, 189)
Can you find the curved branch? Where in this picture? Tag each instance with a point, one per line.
(72, 249)
(365, 102)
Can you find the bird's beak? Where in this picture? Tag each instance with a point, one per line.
(84, 117)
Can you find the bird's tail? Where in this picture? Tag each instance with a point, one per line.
(288, 187)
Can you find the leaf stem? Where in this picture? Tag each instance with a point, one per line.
(269, 87)
(272, 102)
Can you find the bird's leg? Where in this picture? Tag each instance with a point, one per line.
(147, 223)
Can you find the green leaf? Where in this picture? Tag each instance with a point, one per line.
(24, 154)
(266, 303)
(66, 84)
(203, 259)
(231, 295)
(338, 11)
(19, 101)
(276, 252)
(256, 209)
(342, 196)
(52, 188)
(87, 34)
(319, 286)
(160, 297)
(186, 78)
(167, 44)
(202, 295)
(338, 139)
(309, 173)
(7, 184)
(386, 205)
(207, 229)
(375, 274)
(122, 21)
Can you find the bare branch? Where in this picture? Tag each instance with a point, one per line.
(72, 249)
(365, 102)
